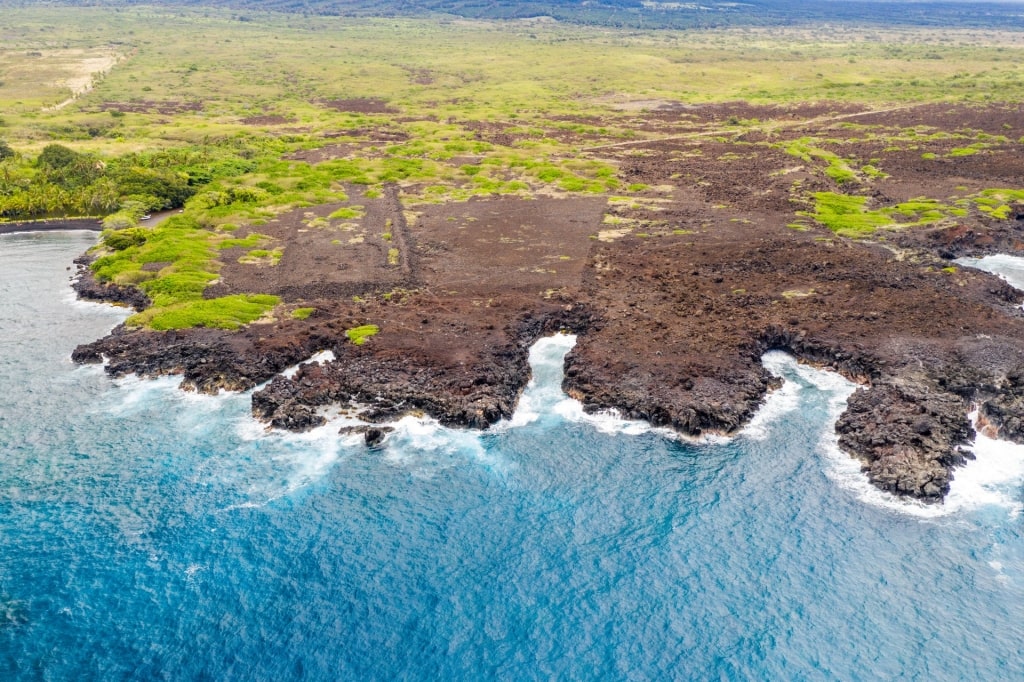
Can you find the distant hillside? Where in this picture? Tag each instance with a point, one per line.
(642, 13)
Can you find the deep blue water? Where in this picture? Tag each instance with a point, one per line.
(150, 534)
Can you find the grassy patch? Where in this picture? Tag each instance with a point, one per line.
(965, 151)
(849, 216)
(302, 313)
(359, 335)
(837, 168)
(996, 202)
(227, 312)
(261, 256)
(347, 213)
(185, 252)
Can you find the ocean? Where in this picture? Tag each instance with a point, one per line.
(151, 534)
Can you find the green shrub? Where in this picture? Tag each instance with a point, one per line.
(846, 215)
(359, 335)
(347, 212)
(119, 240)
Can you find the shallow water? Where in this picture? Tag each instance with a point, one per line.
(149, 533)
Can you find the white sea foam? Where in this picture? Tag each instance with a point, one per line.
(611, 421)
(846, 472)
(796, 377)
(281, 462)
(544, 396)
(992, 479)
(841, 468)
(264, 464)
(70, 298)
(418, 443)
(779, 402)
(544, 390)
(318, 358)
(136, 393)
(307, 457)
(424, 447)
(1010, 268)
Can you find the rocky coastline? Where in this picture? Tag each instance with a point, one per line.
(683, 356)
(671, 322)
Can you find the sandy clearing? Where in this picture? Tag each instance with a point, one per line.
(83, 72)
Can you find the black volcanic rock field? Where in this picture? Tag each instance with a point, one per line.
(675, 293)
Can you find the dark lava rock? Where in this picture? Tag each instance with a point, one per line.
(908, 437)
(372, 435)
(1005, 410)
(86, 286)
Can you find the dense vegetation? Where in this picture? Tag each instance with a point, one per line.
(62, 181)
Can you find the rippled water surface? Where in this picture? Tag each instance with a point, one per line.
(146, 533)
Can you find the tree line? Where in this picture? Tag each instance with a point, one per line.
(62, 182)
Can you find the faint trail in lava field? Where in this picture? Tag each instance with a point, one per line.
(400, 233)
(764, 127)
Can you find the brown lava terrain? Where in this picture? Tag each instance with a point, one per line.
(675, 291)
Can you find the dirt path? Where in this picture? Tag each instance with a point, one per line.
(400, 237)
(84, 78)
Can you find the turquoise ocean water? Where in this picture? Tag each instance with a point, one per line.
(151, 534)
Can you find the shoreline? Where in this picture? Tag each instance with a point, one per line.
(52, 225)
(908, 431)
(703, 272)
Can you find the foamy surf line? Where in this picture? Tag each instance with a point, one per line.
(544, 396)
(317, 359)
(421, 443)
(544, 390)
(777, 403)
(289, 461)
(137, 393)
(1009, 268)
(992, 479)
